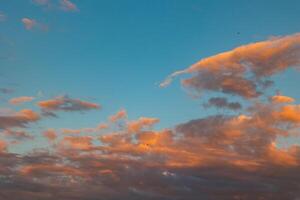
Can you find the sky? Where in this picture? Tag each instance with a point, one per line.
(162, 99)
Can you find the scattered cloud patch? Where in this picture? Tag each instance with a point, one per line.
(20, 100)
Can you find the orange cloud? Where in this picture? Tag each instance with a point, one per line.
(282, 99)
(19, 119)
(3, 146)
(290, 113)
(64, 103)
(143, 122)
(229, 72)
(119, 115)
(50, 134)
(20, 100)
(77, 142)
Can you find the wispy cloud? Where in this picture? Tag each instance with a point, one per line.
(41, 2)
(32, 24)
(64, 5)
(20, 100)
(2, 16)
(6, 90)
(67, 5)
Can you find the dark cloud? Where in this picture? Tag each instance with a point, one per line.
(19, 119)
(222, 102)
(6, 90)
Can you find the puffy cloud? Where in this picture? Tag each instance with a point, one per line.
(20, 100)
(282, 99)
(67, 5)
(289, 113)
(29, 23)
(242, 71)
(65, 103)
(19, 119)
(50, 134)
(222, 102)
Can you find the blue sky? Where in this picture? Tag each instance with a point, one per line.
(117, 52)
(71, 64)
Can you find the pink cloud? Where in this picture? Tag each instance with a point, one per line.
(29, 23)
(67, 5)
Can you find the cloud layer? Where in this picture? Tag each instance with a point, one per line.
(226, 157)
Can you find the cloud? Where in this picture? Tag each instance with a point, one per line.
(222, 102)
(224, 157)
(67, 5)
(18, 119)
(98, 128)
(20, 100)
(64, 5)
(143, 122)
(2, 17)
(17, 134)
(32, 24)
(3, 146)
(282, 99)
(243, 70)
(29, 23)
(215, 157)
(41, 2)
(65, 103)
(76, 142)
(6, 90)
(119, 115)
(50, 134)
